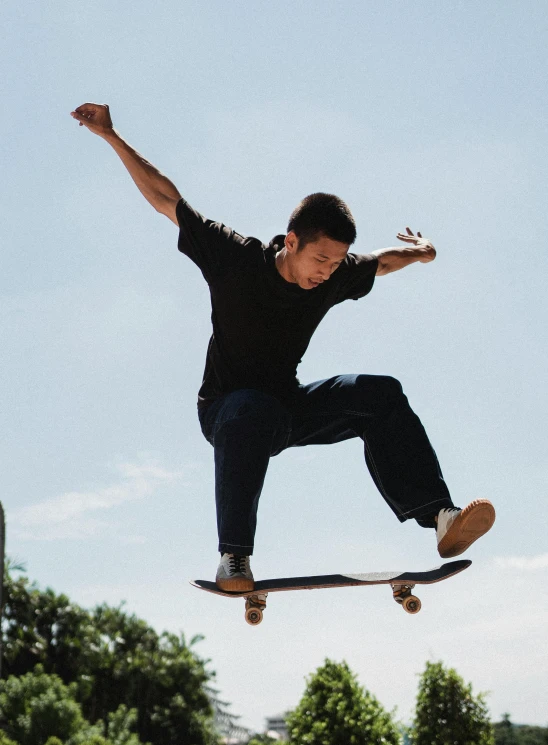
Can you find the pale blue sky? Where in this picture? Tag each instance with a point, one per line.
(428, 114)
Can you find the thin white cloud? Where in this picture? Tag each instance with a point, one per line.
(76, 514)
(526, 563)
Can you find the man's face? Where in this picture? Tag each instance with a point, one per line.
(314, 263)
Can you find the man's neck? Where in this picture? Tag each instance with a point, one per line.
(281, 265)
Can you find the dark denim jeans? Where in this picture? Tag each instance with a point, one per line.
(247, 427)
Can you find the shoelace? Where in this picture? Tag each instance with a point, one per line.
(237, 564)
(451, 511)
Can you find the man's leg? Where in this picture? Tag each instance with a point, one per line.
(246, 428)
(397, 451)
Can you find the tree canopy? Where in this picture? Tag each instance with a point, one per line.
(37, 708)
(447, 712)
(109, 658)
(336, 710)
(508, 733)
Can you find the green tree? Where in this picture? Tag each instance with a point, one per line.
(531, 735)
(111, 658)
(447, 712)
(336, 710)
(36, 708)
(42, 627)
(507, 733)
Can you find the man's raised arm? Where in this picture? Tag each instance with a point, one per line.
(392, 259)
(153, 185)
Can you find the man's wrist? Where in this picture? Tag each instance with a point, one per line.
(111, 136)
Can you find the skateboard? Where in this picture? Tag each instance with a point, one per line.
(401, 583)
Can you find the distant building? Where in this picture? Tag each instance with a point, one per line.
(276, 727)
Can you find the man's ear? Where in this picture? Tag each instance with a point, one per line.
(291, 242)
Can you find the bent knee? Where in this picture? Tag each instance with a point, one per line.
(383, 383)
(384, 390)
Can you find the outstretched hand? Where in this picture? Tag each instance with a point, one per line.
(428, 252)
(94, 116)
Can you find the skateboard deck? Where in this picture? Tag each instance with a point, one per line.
(401, 583)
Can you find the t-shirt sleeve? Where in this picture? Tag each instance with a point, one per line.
(212, 246)
(357, 276)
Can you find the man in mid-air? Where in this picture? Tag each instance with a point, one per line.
(267, 301)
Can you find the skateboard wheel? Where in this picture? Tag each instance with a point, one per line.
(253, 616)
(411, 604)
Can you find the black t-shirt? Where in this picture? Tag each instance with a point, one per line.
(262, 324)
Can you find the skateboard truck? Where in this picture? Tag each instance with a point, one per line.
(402, 595)
(254, 607)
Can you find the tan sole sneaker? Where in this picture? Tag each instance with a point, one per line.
(470, 524)
(234, 574)
(235, 584)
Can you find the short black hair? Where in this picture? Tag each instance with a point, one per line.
(322, 214)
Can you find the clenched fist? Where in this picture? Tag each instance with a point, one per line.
(94, 116)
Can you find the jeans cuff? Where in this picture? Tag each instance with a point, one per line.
(234, 548)
(425, 516)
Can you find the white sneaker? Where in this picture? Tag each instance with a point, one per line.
(234, 573)
(457, 529)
